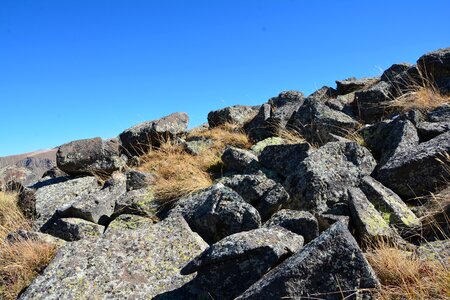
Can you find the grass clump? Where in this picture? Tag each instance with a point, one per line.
(405, 276)
(179, 173)
(20, 261)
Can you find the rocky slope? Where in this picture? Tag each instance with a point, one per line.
(284, 220)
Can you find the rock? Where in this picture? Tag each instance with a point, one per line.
(23, 235)
(90, 156)
(352, 84)
(429, 130)
(217, 212)
(369, 224)
(228, 267)
(321, 181)
(435, 223)
(284, 159)
(264, 194)
(326, 220)
(395, 211)
(197, 145)
(394, 70)
(138, 180)
(373, 102)
(300, 222)
(96, 207)
(440, 114)
(303, 275)
(418, 171)
(54, 172)
(344, 103)
(239, 160)
(316, 121)
(237, 114)
(49, 198)
(436, 66)
(128, 222)
(136, 202)
(274, 115)
(261, 145)
(323, 94)
(127, 264)
(138, 139)
(73, 229)
(437, 250)
(26, 201)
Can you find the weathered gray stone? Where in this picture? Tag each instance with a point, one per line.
(435, 66)
(128, 222)
(239, 160)
(261, 145)
(326, 220)
(324, 93)
(73, 229)
(372, 103)
(418, 171)
(49, 198)
(284, 159)
(316, 121)
(237, 114)
(23, 235)
(136, 202)
(395, 211)
(274, 115)
(127, 264)
(96, 207)
(217, 212)
(369, 224)
(90, 156)
(138, 180)
(138, 139)
(429, 130)
(300, 222)
(197, 145)
(330, 267)
(394, 70)
(322, 179)
(229, 267)
(352, 84)
(437, 250)
(440, 114)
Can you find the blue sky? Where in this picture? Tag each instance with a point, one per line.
(76, 69)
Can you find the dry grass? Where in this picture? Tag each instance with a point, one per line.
(404, 276)
(21, 261)
(290, 136)
(423, 99)
(179, 173)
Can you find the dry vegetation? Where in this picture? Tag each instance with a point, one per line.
(21, 261)
(179, 173)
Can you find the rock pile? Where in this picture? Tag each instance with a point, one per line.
(286, 220)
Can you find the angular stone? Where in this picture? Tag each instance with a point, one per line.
(128, 222)
(330, 267)
(437, 250)
(436, 66)
(429, 130)
(326, 220)
(197, 145)
(73, 229)
(23, 235)
(321, 181)
(138, 139)
(237, 114)
(96, 207)
(352, 84)
(138, 180)
(418, 171)
(136, 202)
(261, 145)
(90, 156)
(323, 94)
(440, 114)
(316, 121)
(369, 224)
(372, 103)
(284, 159)
(394, 70)
(395, 211)
(217, 212)
(239, 160)
(299, 222)
(49, 198)
(127, 264)
(228, 267)
(263, 193)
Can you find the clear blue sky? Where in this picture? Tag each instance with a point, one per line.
(76, 69)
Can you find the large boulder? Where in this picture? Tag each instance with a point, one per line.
(239, 160)
(124, 264)
(418, 171)
(300, 222)
(274, 115)
(226, 269)
(263, 193)
(440, 114)
(435, 66)
(317, 122)
(330, 267)
(352, 84)
(96, 207)
(90, 156)
(394, 70)
(73, 229)
(217, 212)
(321, 181)
(284, 159)
(429, 130)
(138, 139)
(237, 114)
(373, 102)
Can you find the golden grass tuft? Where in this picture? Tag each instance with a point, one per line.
(21, 261)
(179, 173)
(405, 276)
(423, 99)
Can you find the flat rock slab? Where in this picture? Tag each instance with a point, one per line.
(128, 264)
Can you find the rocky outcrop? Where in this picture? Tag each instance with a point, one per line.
(284, 159)
(373, 102)
(435, 66)
(352, 84)
(239, 160)
(238, 114)
(138, 139)
(73, 229)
